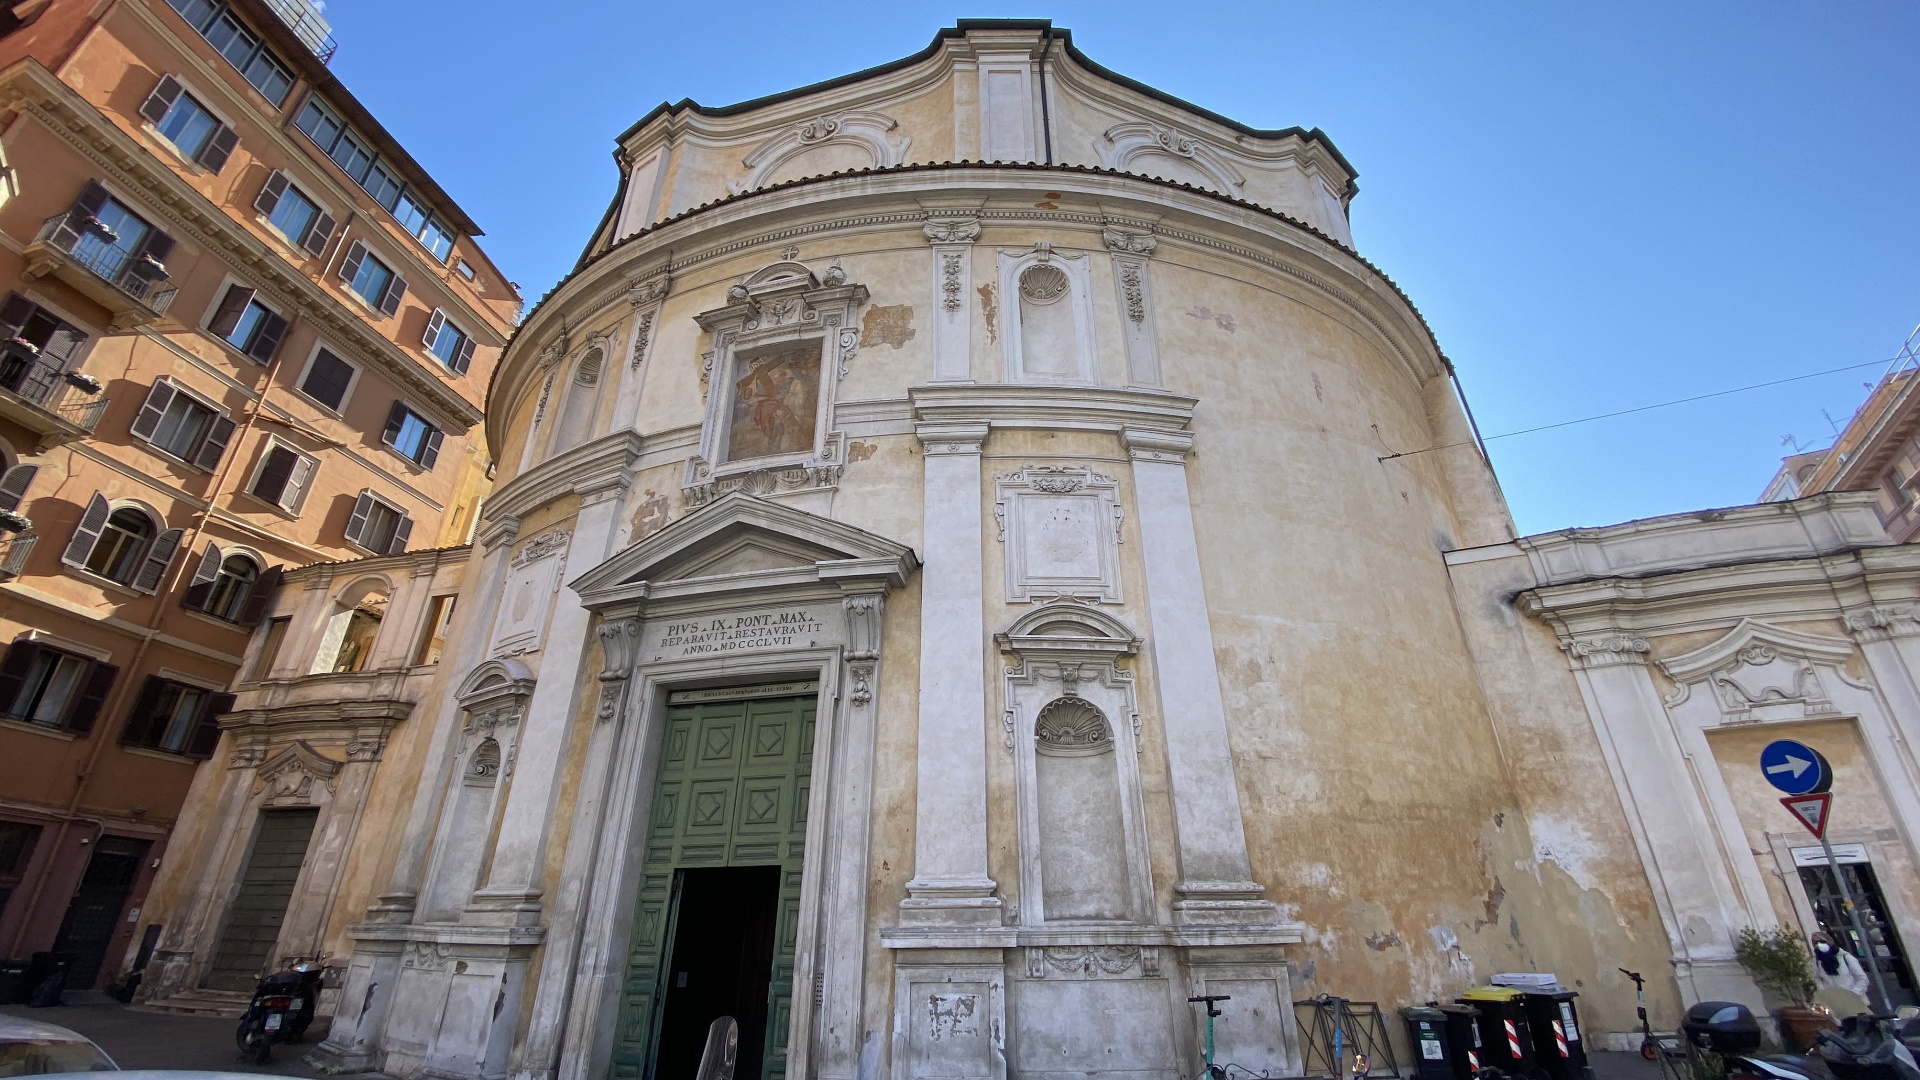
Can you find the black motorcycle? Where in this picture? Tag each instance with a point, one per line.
(281, 1009)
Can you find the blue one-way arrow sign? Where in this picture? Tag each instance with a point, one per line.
(1795, 767)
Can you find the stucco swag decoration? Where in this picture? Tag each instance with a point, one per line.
(1764, 672)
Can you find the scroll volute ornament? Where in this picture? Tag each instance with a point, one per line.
(619, 647)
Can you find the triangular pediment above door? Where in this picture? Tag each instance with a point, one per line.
(741, 542)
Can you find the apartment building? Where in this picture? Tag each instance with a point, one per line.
(241, 330)
(1878, 450)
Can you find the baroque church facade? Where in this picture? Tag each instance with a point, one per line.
(946, 603)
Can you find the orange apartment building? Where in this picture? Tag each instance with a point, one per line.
(1878, 450)
(241, 330)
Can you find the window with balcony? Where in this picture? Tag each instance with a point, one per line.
(113, 244)
(190, 126)
(452, 345)
(242, 48)
(176, 717)
(124, 544)
(349, 151)
(231, 587)
(37, 349)
(378, 526)
(283, 476)
(40, 684)
(411, 436)
(243, 322)
(372, 280)
(183, 425)
(327, 379)
(295, 215)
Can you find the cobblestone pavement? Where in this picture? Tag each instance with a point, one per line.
(144, 1040)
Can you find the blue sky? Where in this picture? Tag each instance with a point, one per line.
(1597, 206)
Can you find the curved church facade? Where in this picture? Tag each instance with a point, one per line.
(946, 602)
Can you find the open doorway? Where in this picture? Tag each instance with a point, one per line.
(1829, 910)
(720, 964)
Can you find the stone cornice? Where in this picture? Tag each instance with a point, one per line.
(1181, 220)
(587, 467)
(1086, 408)
(30, 88)
(414, 563)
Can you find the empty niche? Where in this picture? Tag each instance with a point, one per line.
(583, 399)
(1047, 340)
(1082, 833)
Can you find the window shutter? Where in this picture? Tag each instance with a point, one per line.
(400, 534)
(204, 575)
(318, 233)
(434, 322)
(14, 484)
(154, 109)
(159, 557)
(276, 468)
(266, 340)
(158, 398)
(219, 433)
(464, 358)
(93, 694)
(92, 198)
(232, 306)
(13, 672)
(219, 148)
(59, 349)
(139, 728)
(396, 417)
(296, 486)
(264, 591)
(84, 537)
(270, 192)
(357, 524)
(396, 289)
(15, 310)
(349, 266)
(430, 453)
(206, 734)
(158, 246)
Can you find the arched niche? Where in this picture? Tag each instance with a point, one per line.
(352, 631)
(493, 701)
(1073, 728)
(1047, 301)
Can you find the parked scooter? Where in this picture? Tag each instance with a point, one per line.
(1728, 1029)
(281, 1009)
(1867, 1048)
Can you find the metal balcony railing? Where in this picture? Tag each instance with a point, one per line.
(46, 385)
(14, 549)
(308, 25)
(140, 278)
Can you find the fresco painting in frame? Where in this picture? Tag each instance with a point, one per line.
(776, 399)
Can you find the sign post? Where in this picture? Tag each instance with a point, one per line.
(1803, 773)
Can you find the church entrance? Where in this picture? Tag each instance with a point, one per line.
(716, 918)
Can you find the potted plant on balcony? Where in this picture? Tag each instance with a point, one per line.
(1782, 970)
(23, 345)
(80, 380)
(13, 522)
(148, 266)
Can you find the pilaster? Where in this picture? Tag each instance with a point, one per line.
(952, 237)
(950, 884)
(1131, 281)
(1216, 883)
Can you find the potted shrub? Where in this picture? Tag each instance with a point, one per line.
(1782, 969)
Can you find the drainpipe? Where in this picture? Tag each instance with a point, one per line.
(1046, 113)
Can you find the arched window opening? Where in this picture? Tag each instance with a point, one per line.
(122, 545)
(233, 588)
(347, 644)
(1082, 832)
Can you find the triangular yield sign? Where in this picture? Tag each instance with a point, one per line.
(1810, 810)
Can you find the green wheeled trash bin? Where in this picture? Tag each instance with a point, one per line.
(1427, 1030)
(1506, 1039)
(1463, 1040)
(1557, 1044)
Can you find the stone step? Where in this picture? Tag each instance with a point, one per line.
(225, 1004)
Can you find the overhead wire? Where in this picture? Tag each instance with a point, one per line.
(1648, 408)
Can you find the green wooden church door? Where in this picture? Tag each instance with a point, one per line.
(732, 792)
